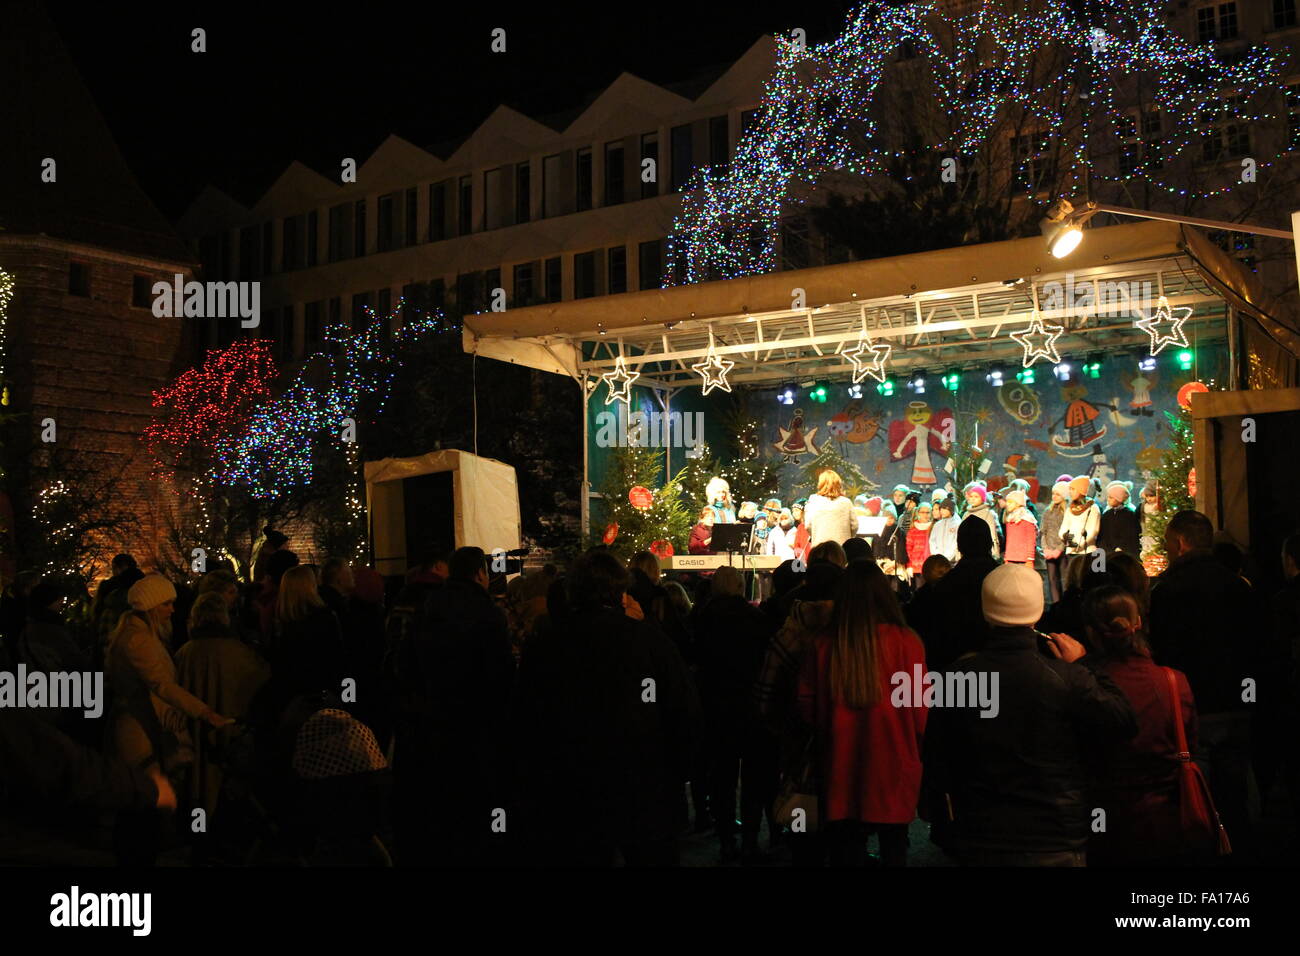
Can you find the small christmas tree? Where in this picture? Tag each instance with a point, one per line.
(1170, 480)
(855, 481)
(695, 474)
(751, 478)
(667, 519)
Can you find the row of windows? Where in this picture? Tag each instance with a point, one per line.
(1218, 21)
(81, 274)
(503, 197)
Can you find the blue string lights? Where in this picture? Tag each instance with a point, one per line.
(1068, 82)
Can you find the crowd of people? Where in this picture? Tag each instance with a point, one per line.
(603, 711)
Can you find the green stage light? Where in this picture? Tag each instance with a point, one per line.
(1185, 359)
(886, 388)
(1025, 376)
(1092, 367)
(952, 380)
(819, 393)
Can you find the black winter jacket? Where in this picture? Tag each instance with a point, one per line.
(1120, 530)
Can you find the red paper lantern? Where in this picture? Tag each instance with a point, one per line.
(662, 549)
(1187, 391)
(611, 532)
(641, 498)
(1191, 483)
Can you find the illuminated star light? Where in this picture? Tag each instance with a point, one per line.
(1039, 329)
(624, 392)
(876, 367)
(715, 369)
(1153, 324)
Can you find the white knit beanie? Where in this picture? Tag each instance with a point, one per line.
(1126, 485)
(1062, 488)
(150, 591)
(1012, 596)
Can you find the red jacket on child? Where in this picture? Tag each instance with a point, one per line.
(1022, 540)
(918, 547)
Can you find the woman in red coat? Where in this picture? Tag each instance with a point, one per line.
(868, 750)
(1136, 780)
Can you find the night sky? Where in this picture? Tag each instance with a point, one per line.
(284, 84)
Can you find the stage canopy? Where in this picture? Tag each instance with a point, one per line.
(938, 309)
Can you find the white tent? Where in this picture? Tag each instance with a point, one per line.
(486, 502)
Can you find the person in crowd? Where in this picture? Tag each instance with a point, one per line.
(918, 539)
(943, 533)
(217, 667)
(731, 639)
(456, 672)
(780, 540)
(868, 750)
(605, 711)
(785, 579)
(336, 585)
(269, 588)
(306, 653)
(1128, 572)
(13, 603)
(679, 599)
(957, 626)
(110, 596)
(702, 533)
(902, 513)
(46, 644)
(272, 542)
(829, 514)
(1009, 789)
(857, 549)
(647, 589)
(1149, 506)
(1136, 780)
(885, 545)
(1052, 544)
(1205, 622)
(1284, 635)
(364, 640)
(1119, 527)
(148, 718)
(1081, 576)
(979, 506)
(1021, 529)
(1081, 523)
(923, 609)
(802, 539)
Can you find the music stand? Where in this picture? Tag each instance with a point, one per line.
(731, 538)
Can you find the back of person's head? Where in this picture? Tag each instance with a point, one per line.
(218, 581)
(863, 603)
(210, 611)
(1229, 555)
(46, 593)
(974, 538)
(466, 564)
(1012, 596)
(785, 577)
(121, 562)
(1128, 572)
(935, 567)
(728, 582)
(597, 579)
(1193, 528)
(829, 484)
(280, 562)
(367, 585)
(297, 597)
(274, 539)
(1114, 622)
(821, 581)
(856, 548)
(337, 574)
(678, 598)
(828, 551)
(646, 563)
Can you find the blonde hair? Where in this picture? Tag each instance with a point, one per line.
(210, 610)
(297, 597)
(829, 484)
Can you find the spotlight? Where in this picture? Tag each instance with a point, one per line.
(1025, 376)
(1147, 364)
(785, 394)
(1185, 359)
(995, 376)
(1092, 367)
(855, 390)
(886, 388)
(819, 392)
(952, 379)
(1062, 228)
(1062, 371)
(917, 382)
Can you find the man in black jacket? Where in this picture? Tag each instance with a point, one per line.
(957, 626)
(456, 673)
(1006, 780)
(1205, 623)
(1121, 526)
(606, 720)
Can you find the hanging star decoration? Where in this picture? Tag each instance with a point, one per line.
(624, 392)
(714, 369)
(1038, 329)
(1163, 327)
(876, 367)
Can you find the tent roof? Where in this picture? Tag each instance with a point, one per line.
(937, 308)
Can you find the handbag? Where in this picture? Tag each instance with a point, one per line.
(1197, 817)
(799, 792)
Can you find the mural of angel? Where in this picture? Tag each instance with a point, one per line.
(924, 430)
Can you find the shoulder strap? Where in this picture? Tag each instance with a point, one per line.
(1181, 736)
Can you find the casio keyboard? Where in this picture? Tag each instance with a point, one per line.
(711, 562)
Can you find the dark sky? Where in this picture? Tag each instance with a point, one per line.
(278, 84)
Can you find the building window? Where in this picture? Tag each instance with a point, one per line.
(437, 212)
(1216, 22)
(384, 226)
(747, 119)
(551, 187)
(614, 188)
(493, 211)
(466, 206)
(141, 292)
(523, 283)
(682, 157)
(468, 291)
(412, 214)
(360, 315)
(554, 280)
(336, 312)
(1140, 150)
(719, 143)
(359, 213)
(649, 150)
(1035, 161)
(616, 280)
(340, 234)
(583, 179)
(311, 327)
(584, 275)
(523, 192)
(284, 335)
(1283, 14)
(312, 223)
(650, 266)
(1238, 245)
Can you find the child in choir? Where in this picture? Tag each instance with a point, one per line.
(918, 539)
(943, 532)
(1022, 530)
